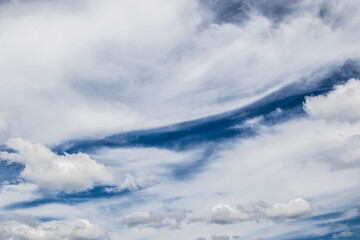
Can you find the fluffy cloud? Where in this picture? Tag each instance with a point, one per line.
(155, 219)
(294, 209)
(224, 214)
(130, 183)
(56, 230)
(341, 104)
(71, 172)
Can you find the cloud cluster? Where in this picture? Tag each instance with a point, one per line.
(220, 214)
(56, 230)
(70, 172)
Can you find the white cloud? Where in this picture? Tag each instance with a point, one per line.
(130, 183)
(155, 219)
(224, 214)
(220, 214)
(85, 67)
(343, 235)
(71, 172)
(341, 104)
(56, 230)
(294, 209)
(220, 237)
(348, 154)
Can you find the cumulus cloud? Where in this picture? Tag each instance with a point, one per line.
(294, 209)
(71, 172)
(341, 104)
(155, 219)
(56, 230)
(224, 214)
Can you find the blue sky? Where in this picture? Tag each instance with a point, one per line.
(186, 119)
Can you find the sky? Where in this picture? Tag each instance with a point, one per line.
(179, 119)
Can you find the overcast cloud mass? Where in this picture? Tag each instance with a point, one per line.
(179, 119)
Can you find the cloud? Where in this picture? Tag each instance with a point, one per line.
(71, 69)
(11, 193)
(71, 172)
(56, 230)
(3, 123)
(220, 214)
(343, 235)
(348, 154)
(341, 104)
(220, 237)
(139, 66)
(294, 209)
(130, 183)
(153, 219)
(224, 214)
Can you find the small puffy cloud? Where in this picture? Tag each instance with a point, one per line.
(341, 104)
(130, 183)
(224, 214)
(71, 172)
(55, 230)
(220, 237)
(154, 219)
(294, 209)
(343, 235)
